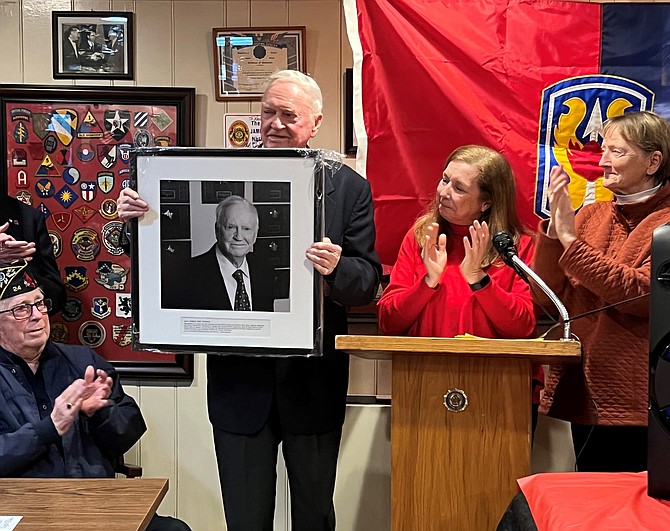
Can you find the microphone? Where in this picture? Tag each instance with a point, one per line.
(504, 244)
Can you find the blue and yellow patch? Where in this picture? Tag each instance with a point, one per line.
(571, 123)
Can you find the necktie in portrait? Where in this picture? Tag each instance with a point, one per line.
(241, 297)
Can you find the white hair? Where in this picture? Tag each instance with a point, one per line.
(305, 82)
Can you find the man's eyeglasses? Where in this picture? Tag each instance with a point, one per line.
(24, 311)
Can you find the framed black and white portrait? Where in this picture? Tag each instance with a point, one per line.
(92, 44)
(219, 260)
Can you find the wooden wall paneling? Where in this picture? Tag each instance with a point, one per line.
(321, 18)
(37, 58)
(11, 30)
(199, 493)
(238, 15)
(130, 6)
(95, 5)
(269, 13)
(155, 41)
(134, 389)
(194, 65)
(159, 443)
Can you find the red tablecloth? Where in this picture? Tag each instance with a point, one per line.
(594, 501)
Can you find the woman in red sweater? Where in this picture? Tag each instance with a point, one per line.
(448, 278)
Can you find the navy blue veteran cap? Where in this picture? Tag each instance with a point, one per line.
(15, 279)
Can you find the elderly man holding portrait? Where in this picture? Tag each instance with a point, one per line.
(600, 259)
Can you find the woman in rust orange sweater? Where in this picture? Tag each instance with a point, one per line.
(598, 257)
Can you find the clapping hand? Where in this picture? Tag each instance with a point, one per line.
(562, 223)
(476, 248)
(434, 255)
(12, 249)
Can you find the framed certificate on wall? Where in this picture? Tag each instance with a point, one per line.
(244, 59)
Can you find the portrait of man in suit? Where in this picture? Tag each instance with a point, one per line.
(236, 279)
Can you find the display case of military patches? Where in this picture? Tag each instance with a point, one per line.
(65, 151)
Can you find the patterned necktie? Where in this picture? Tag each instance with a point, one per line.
(241, 297)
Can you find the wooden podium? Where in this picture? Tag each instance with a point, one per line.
(458, 469)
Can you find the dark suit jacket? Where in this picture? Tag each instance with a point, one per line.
(311, 392)
(27, 224)
(201, 287)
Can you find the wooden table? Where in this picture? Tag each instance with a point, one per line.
(82, 504)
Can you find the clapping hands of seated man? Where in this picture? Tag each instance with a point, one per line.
(86, 395)
(12, 249)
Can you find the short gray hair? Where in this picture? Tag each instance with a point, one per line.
(231, 200)
(305, 82)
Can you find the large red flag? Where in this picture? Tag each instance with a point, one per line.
(439, 74)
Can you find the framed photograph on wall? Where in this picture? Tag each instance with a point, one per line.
(219, 261)
(92, 44)
(66, 151)
(244, 58)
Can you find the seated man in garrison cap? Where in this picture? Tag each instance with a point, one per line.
(63, 412)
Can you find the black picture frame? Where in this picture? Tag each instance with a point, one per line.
(92, 44)
(244, 58)
(350, 146)
(181, 301)
(21, 107)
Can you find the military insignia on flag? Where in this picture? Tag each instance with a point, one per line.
(124, 305)
(162, 120)
(122, 335)
(111, 276)
(85, 244)
(19, 157)
(571, 123)
(47, 168)
(41, 124)
(64, 123)
(88, 190)
(72, 311)
(20, 114)
(20, 133)
(75, 278)
(141, 119)
(124, 152)
(21, 180)
(105, 181)
(107, 155)
(101, 307)
(59, 333)
(71, 175)
(108, 209)
(36, 150)
(84, 213)
(111, 237)
(44, 188)
(50, 144)
(143, 138)
(66, 196)
(89, 128)
(116, 123)
(44, 210)
(92, 334)
(85, 153)
(65, 157)
(25, 197)
(56, 243)
(62, 220)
